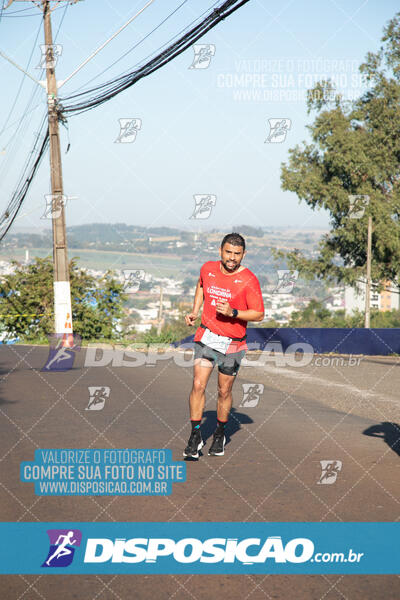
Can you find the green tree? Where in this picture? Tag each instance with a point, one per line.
(172, 331)
(248, 230)
(26, 302)
(316, 315)
(355, 151)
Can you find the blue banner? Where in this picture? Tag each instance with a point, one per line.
(375, 342)
(241, 548)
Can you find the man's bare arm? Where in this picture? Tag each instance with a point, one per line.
(250, 315)
(198, 301)
(224, 308)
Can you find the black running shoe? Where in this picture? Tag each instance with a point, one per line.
(218, 444)
(195, 444)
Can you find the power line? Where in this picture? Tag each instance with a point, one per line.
(108, 90)
(27, 109)
(173, 38)
(24, 181)
(107, 42)
(136, 45)
(20, 16)
(14, 14)
(15, 140)
(18, 11)
(28, 157)
(22, 82)
(20, 193)
(19, 119)
(61, 20)
(14, 137)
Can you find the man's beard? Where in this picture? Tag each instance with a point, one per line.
(229, 268)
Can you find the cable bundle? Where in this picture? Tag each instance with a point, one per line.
(32, 165)
(104, 92)
(108, 90)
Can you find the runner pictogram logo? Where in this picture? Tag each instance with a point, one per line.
(62, 547)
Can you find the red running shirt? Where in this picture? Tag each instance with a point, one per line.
(242, 291)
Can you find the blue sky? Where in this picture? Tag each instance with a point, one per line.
(203, 131)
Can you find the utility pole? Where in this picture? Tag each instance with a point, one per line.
(62, 291)
(368, 282)
(160, 312)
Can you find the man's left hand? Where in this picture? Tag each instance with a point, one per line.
(224, 308)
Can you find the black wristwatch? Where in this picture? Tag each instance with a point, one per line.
(234, 312)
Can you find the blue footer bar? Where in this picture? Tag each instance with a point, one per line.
(302, 548)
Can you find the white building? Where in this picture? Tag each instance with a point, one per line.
(337, 299)
(386, 299)
(143, 327)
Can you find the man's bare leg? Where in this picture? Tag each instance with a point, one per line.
(201, 373)
(224, 405)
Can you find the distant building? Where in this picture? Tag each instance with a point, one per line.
(337, 299)
(143, 327)
(387, 299)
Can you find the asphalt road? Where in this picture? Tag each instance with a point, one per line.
(295, 417)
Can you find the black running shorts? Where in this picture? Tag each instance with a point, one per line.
(228, 364)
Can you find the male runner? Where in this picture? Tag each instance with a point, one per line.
(232, 297)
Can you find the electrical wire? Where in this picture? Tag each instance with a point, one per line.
(20, 16)
(14, 15)
(32, 162)
(27, 109)
(155, 52)
(18, 120)
(108, 90)
(22, 83)
(19, 11)
(8, 217)
(134, 46)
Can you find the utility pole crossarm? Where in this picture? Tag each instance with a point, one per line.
(10, 60)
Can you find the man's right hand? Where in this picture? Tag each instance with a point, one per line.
(190, 319)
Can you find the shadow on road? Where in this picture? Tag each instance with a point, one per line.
(3, 374)
(388, 432)
(395, 362)
(236, 420)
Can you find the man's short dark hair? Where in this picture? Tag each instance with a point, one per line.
(235, 239)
